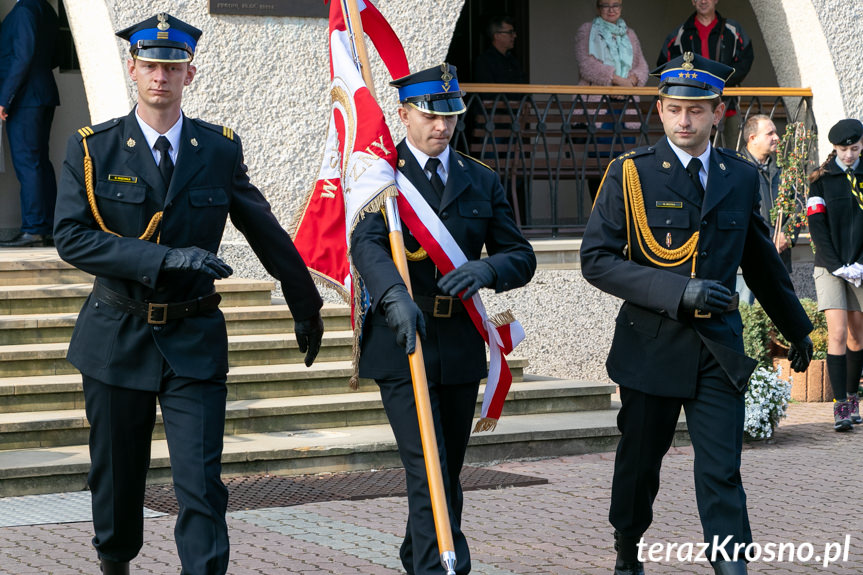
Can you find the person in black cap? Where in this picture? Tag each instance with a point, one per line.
(835, 214)
(671, 224)
(143, 202)
(468, 200)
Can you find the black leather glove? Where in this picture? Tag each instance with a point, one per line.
(469, 276)
(193, 259)
(309, 333)
(705, 295)
(800, 354)
(404, 317)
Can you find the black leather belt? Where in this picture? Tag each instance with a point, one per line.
(733, 305)
(156, 313)
(442, 306)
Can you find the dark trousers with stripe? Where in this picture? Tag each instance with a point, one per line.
(715, 421)
(453, 409)
(121, 427)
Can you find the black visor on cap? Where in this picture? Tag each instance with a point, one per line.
(161, 51)
(442, 106)
(686, 92)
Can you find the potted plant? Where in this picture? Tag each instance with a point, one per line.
(763, 342)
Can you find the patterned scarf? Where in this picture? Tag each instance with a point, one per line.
(610, 45)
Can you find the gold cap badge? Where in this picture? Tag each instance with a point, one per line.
(688, 57)
(445, 76)
(163, 22)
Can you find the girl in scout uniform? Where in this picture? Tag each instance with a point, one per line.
(835, 212)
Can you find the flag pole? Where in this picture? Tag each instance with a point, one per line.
(440, 511)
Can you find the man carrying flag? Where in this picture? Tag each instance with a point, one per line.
(452, 206)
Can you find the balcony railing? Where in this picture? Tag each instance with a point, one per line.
(551, 144)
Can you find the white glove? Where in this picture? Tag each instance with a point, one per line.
(849, 274)
(857, 271)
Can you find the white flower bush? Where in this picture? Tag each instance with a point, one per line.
(766, 401)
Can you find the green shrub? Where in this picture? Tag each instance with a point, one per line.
(762, 341)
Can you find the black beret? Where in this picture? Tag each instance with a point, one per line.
(845, 132)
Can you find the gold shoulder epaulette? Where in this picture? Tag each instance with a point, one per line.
(224, 130)
(88, 131)
(486, 166)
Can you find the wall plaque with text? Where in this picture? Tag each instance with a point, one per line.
(302, 8)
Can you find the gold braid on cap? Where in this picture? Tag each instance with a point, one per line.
(633, 200)
(91, 199)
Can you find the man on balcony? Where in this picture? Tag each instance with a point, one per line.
(671, 224)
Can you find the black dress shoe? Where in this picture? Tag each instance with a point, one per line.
(628, 568)
(627, 562)
(109, 567)
(730, 568)
(24, 240)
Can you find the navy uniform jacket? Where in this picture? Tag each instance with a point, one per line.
(209, 183)
(656, 349)
(27, 50)
(475, 211)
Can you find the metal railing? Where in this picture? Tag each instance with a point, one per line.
(551, 144)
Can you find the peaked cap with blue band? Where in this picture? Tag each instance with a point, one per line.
(434, 90)
(162, 38)
(692, 77)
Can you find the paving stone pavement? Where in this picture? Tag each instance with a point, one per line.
(802, 489)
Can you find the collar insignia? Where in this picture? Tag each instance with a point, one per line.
(194, 142)
(130, 142)
(666, 165)
(721, 166)
(402, 163)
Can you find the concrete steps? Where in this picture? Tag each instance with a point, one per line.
(55, 428)
(323, 450)
(281, 417)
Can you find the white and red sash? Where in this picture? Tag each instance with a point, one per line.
(501, 332)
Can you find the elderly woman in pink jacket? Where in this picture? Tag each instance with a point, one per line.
(607, 51)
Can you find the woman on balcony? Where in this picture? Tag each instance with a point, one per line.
(607, 51)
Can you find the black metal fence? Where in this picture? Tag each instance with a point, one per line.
(551, 146)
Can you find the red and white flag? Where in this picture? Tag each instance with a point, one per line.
(357, 169)
(358, 172)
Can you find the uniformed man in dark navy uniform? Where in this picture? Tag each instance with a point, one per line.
(142, 205)
(469, 200)
(670, 226)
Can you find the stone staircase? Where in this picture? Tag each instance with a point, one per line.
(282, 418)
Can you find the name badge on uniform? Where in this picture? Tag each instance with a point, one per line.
(122, 179)
(660, 204)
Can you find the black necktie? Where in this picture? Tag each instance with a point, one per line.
(436, 181)
(166, 165)
(693, 169)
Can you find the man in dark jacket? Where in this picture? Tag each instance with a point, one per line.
(497, 64)
(671, 224)
(142, 206)
(28, 96)
(465, 197)
(707, 33)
